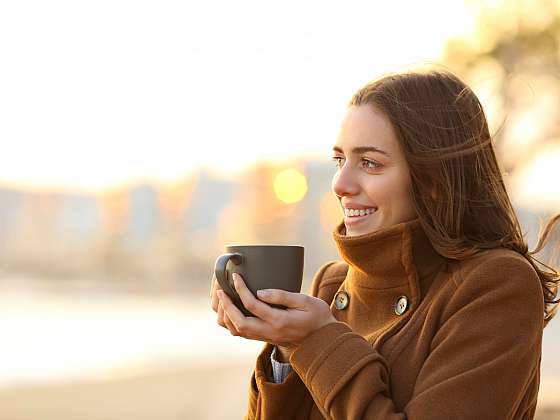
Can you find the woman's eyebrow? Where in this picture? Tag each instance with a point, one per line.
(363, 149)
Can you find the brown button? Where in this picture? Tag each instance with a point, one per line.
(341, 300)
(401, 305)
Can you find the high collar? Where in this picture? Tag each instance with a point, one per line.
(393, 256)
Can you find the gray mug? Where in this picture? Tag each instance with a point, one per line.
(262, 267)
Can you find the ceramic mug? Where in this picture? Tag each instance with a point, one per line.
(262, 267)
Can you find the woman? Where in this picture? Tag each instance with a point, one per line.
(438, 309)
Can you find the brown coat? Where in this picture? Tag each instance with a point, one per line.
(468, 345)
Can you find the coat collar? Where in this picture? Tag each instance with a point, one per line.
(394, 256)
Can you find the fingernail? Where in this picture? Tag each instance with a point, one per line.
(263, 293)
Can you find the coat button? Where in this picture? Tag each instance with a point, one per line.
(341, 300)
(401, 305)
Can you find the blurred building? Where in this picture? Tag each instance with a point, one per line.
(78, 218)
(10, 212)
(143, 219)
(167, 234)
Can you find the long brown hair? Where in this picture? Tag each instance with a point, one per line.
(457, 186)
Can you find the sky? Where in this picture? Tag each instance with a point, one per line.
(96, 94)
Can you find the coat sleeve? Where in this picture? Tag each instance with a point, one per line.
(289, 399)
(483, 357)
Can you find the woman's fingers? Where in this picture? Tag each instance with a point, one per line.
(215, 287)
(255, 306)
(224, 320)
(276, 296)
(248, 327)
(230, 326)
(281, 297)
(220, 318)
(218, 306)
(304, 314)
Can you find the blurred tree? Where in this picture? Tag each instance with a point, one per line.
(512, 60)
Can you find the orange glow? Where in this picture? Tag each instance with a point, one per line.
(174, 198)
(114, 210)
(536, 186)
(290, 186)
(330, 212)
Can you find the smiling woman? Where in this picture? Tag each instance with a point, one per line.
(436, 280)
(372, 182)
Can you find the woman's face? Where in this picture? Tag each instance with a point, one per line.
(372, 181)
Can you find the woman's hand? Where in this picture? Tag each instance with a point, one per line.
(285, 328)
(217, 307)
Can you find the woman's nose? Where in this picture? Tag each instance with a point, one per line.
(344, 182)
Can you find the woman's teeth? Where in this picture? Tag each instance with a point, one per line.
(356, 212)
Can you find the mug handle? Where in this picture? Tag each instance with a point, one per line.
(221, 273)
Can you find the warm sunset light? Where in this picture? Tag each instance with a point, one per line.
(141, 139)
(537, 185)
(290, 186)
(330, 212)
(162, 90)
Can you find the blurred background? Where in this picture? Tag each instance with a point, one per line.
(141, 137)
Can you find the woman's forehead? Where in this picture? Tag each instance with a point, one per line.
(364, 126)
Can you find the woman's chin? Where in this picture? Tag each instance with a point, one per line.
(353, 230)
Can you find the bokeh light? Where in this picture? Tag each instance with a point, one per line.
(290, 186)
(538, 183)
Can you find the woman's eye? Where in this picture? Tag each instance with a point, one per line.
(370, 164)
(338, 161)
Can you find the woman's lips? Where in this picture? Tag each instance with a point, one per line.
(353, 216)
